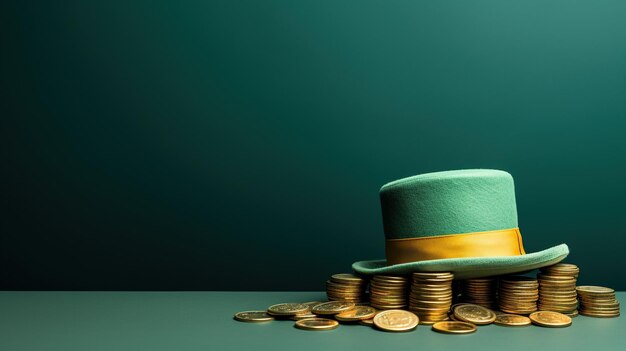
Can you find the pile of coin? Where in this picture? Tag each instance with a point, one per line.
(518, 294)
(388, 292)
(346, 287)
(557, 289)
(597, 301)
(431, 296)
(480, 292)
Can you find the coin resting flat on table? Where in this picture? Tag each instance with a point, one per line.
(287, 309)
(367, 322)
(253, 316)
(550, 319)
(511, 320)
(454, 327)
(316, 324)
(396, 320)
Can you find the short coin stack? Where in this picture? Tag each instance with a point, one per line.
(597, 301)
(388, 292)
(431, 296)
(518, 294)
(346, 287)
(480, 292)
(557, 289)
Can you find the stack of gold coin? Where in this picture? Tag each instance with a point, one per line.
(431, 296)
(557, 289)
(388, 292)
(346, 287)
(597, 301)
(518, 295)
(480, 292)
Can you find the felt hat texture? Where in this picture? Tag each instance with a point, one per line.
(451, 203)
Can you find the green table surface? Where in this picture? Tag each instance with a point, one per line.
(204, 321)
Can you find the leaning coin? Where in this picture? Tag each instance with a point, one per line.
(475, 314)
(332, 307)
(511, 320)
(253, 316)
(454, 327)
(287, 309)
(316, 324)
(396, 320)
(356, 314)
(550, 319)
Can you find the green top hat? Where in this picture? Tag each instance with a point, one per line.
(463, 221)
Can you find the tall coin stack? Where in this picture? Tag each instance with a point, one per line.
(346, 287)
(557, 289)
(518, 295)
(388, 292)
(480, 292)
(431, 296)
(597, 301)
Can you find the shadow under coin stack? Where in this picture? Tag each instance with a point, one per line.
(346, 287)
(597, 301)
(388, 292)
(518, 294)
(481, 291)
(557, 289)
(431, 296)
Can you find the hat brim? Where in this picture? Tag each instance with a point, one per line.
(469, 267)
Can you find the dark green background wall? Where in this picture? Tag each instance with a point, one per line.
(241, 144)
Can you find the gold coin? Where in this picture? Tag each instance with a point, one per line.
(550, 319)
(591, 289)
(312, 304)
(316, 324)
(396, 320)
(572, 314)
(253, 316)
(562, 268)
(367, 322)
(454, 327)
(356, 314)
(560, 278)
(511, 320)
(599, 315)
(474, 314)
(333, 307)
(432, 275)
(298, 317)
(347, 278)
(390, 278)
(287, 309)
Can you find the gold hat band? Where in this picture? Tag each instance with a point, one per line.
(505, 242)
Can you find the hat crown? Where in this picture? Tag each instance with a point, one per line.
(450, 202)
